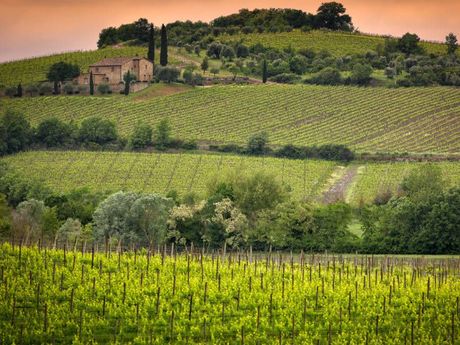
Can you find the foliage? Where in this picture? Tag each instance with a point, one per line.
(331, 15)
(258, 143)
(138, 31)
(151, 49)
(409, 44)
(97, 130)
(141, 136)
(452, 43)
(128, 78)
(361, 74)
(327, 76)
(61, 71)
(53, 132)
(104, 89)
(15, 132)
(166, 74)
(163, 134)
(164, 46)
(285, 78)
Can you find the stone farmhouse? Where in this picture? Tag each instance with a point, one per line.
(111, 71)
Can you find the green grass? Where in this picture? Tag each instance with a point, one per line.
(366, 119)
(191, 172)
(160, 173)
(337, 43)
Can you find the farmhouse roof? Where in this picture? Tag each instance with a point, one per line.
(117, 61)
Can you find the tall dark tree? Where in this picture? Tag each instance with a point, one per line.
(151, 52)
(19, 90)
(164, 46)
(332, 15)
(264, 71)
(408, 44)
(60, 72)
(452, 43)
(128, 78)
(91, 84)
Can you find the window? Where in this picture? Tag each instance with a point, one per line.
(113, 68)
(97, 69)
(145, 66)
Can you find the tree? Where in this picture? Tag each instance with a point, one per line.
(97, 130)
(423, 183)
(15, 132)
(107, 37)
(151, 51)
(327, 76)
(69, 231)
(54, 132)
(233, 222)
(142, 136)
(19, 91)
(91, 83)
(163, 134)
(164, 46)
(451, 42)
(332, 15)
(361, 74)
(27, 220)
(408, 44)
(205, 64)
(298, 64)
(128, 78)
(167, 74)
(62, 71)
(214, 71)
(264, 71)
(110, 217)
(234, 70)
(257, 144)
(148, 218)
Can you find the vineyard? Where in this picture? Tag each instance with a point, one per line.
(163, 297)
(29, 71)
(366, 119)
(337, 43)
(163, 172)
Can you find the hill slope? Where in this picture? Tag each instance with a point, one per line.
(366, 119)
(160, 173)
(338, 43)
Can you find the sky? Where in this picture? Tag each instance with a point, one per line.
(39, 27)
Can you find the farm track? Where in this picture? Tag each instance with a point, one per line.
(337, 192)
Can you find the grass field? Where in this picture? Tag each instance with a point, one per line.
(366, 119)
(63, 297)
(189, 172)
(337, 43)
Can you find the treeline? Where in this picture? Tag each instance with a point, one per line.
(96, 133)
(239, 211)
(330, 16)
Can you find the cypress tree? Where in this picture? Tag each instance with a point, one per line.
(151, 53)
(91, 84)
(264, 71)
(19, 90)
(164, 46)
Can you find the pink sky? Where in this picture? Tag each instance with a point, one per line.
(38, 27)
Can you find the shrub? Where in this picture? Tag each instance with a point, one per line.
(45, 89)
(285, 78)
(97, 130)
(10, 91)
(32, 90)
(68, 88)
(141, 136)
(53, 132)
(166, 74)
(104, 89)
(327, 76)
(361, 74)
(257, 144)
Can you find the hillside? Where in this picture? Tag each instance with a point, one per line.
(338, 43)
(33, 70)
(366, 119)
(153, 172)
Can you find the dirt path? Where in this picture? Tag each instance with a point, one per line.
(337, 191)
